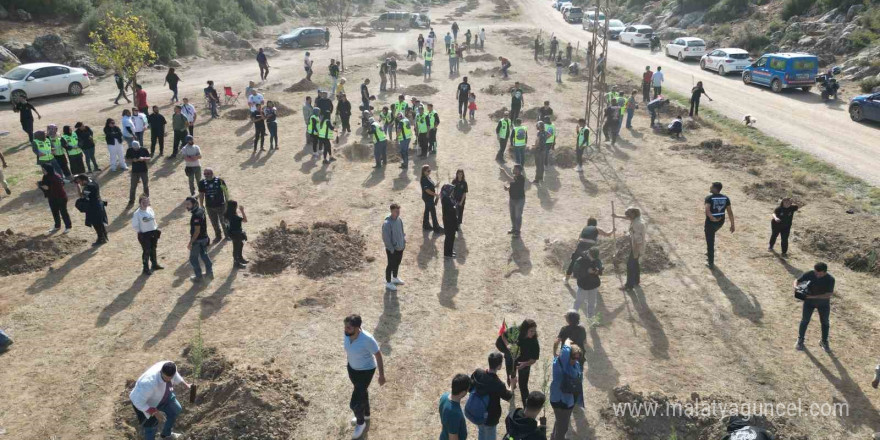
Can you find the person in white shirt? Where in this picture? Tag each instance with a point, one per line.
(192, 156)
(127, 127)
(429, 43)
(144, 222)
(657, 82)
(140, 124)
(482, 38)
(189, 112)
(307, 65)
(154, 400)
(254, 99)
(364, 357)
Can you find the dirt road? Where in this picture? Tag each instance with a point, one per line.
(801, 119)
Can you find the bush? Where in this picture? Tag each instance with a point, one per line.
(867, 85)
(72, 9)
(827, 5)
(795, 7)
(861, 38)
(727, 10)
(685, 6)
(870, 19)
(636, 4)
(750, 40)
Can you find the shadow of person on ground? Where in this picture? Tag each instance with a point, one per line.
(376, 177)
(428, 249)
(600, 372)
(520, 257)
(746, 306)
(659, 341)
(401, 181)
(212, 304)
(53, 277)
(861, 412)
(122, 301)
(181, 307)
(448, 284)
(388, 322)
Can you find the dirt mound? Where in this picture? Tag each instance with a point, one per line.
(20, 253)
(565, 157)
(358, 152)
(774, 191)
(254, 403)
(480, 57)
(391, 54)
(519, 38)
(498, 114)
(855, 247)
(420, 90)
(283, 110)
(729, 156)
(214, 365)
(415, 69)
(694, 418)
(464, 9)
(612, 253)
(318, 251)
(242, 114)
(501, 89)
(533, 113)
(303, 85)
(480, 72)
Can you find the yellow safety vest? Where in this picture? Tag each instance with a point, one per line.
(422, 123)
(429, 55)
(406, 132)
(505, 125)
(44, 150)
(324, 131)
(379, 135)
(519, 136)
(551, 133)
(386, 117)
(57, 149)
(72, 142)
(431, 120)
(611, 96)
(623, 107)
(583, 137)
(451, 53)
(400, 107)
(314, 122)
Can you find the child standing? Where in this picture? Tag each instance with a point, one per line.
(472, 104)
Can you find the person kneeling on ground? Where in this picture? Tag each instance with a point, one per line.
(675, 127)
(155, 402)
(521, 424)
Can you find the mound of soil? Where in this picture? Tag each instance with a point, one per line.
(501, 89)
(358, 152)
(858, 250)
(255, 403)
(303, 85)
(564, 157)
(612, 253)
(420, 90)
(415, 69)
(480, 57)
(480, 72)
(242, 114)
(532, 114)
(20, 253)
(683, 419)
(498, 114)
(774, 191)
(324, 249)
(391, 54)
(729, 156)
(519, 38)
(464, 9)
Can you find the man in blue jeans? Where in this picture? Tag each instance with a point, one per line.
(198, 241)
(486, 382)
(819, 285)
(154, 401)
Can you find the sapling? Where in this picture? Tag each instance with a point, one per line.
(196, 358)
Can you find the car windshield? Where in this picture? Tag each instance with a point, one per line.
(738, 56)
(17, 74)
(804, 65)
(577, 10)
(696, 43)
(615, 23)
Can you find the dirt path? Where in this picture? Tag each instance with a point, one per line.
(800, 119)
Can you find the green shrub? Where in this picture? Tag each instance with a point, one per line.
(867, 85)
(685, 6)
(750, 40)
(775, 25)
(70, 9)
(722, 30)
(870, 19)
(827, 5)
(636, 4)
(795, 7)
(861, 38)
(726, 10)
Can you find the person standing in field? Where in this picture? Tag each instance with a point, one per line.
(343, 111)
(171, 79)
(26, 116)
(263, 62)
(460, 194)
(139, 158)
(405, 134)
(394, 238)
(452, 421)
(86, 140)
(213, 194)
(657, 82)
(716, 208)
(516, 101)
(141, 99)
(70, 142)
(529, 352)
(334, 76)
(364, 359)
(572, 331)
(192, 159)
(503, 131)
(157, 124)
(120, 85)
(517, 202)
(696, 93)
(646, 84)
(421, 43)
(53, 188)
(464, 90)
(783, 216)
(190, 113)
(236, 231)
(429, 197)
(583, 142)
(113, 137)
(259, 120)
(198, 241)
(155, 402)
(566, 387)
(178, 125)
(819, 287)
(144, 222)
(485, 382)
(450, 219)
(96, 215)
(307, 65)
(637, 245)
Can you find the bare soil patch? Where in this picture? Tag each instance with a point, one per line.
(21, 253)
(391, 54)
(242, 114)
(480, 57)
(729, 156)
(853, 244)
(564, 158)
(480, 72)
(358, 152)
(519, 38)
(415, 70)
(464, 9)
(303, 85)
(613, 253)
(500, 89)
(324, 249)
(420, 90)
(774, 191)
(253, 403)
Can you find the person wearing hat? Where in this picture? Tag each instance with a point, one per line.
(155, 402)
(192, 158)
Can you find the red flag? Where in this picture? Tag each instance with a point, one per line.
(503, 327)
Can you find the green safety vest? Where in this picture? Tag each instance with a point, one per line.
(44, 150)
(379, 135)
(73, 143)
(519, 136)
(611, 96)
(406, 132)
(386, 117)
(429, 55)
(401, 107)
(57, 149)
(583, 137)
(451, 53)
(314, 122)
(422, 123)
(324, 131)
(431, 120)
(551, 133)
(505, 125)
(623, 107)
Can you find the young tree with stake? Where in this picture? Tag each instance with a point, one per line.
(338, 13)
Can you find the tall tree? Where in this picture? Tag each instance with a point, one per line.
(338, 13)
(122, 43)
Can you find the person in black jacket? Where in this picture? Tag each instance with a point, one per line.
(781, 223)
(92, 206)
(522, 424)
(486, 382)
(53, 187)
(450, 219)
(157, 131)
(86, 139)
(463, 91)
(430, 197)
(343, 110)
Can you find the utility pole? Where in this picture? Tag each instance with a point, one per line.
(595, 111)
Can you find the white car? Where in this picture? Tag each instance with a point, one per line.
(726, 60)
(560, 6)
(636, 34)
(42, 79)
(592, 18)
(615, 27)
(686, 47)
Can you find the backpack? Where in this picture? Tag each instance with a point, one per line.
(582, 266)
(477, 408)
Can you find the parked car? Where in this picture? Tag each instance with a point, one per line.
(392, 20)
(636, 34)
(42, 79)
(615, 27)
(420, 21)
(783, 71)
(726, 60)
(561, 5)
(302, 37)
(865, 108)
(686, 47)
(573, 14)
(591, 19)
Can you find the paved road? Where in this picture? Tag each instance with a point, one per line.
(795, 117)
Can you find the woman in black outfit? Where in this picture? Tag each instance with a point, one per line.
(429, 196)
(460, 194)
(259, 120)
(26, 115)
(450, 219)
(271, 114)
(86, 139)
(781, 223)
(53, 187)
(236, 232)
(696, 92)
(93, 207)
(172, 79)
(343, 110)
(529, 351)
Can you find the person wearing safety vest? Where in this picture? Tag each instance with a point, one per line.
(612, 95)
(325, 136)
(541, 146)
(429, 59)
(551, 139)
(43, 150)
(58, 150)
(422, 132)
(380, 146)
(400, 107)
(520, 139)
(387, 119)
(74, 153)
(312, 130)
(630, 108)
(405, 134)
(503, 131)
(583, 141)
(453, 60)
(433, 120)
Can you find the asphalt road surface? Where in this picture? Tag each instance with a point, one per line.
(798, 118)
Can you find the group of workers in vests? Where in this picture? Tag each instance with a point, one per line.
(518, 135)
(62, 152)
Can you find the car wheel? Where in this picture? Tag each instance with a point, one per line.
(703, 64)
(747, 78)
(75, 89)
(776, 86)
(721, 71)
(680, 56)
(855, 113)
(17, 95)
(295, 44)
(807, 89)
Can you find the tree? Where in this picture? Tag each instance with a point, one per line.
(338, 13)
(123, 44)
